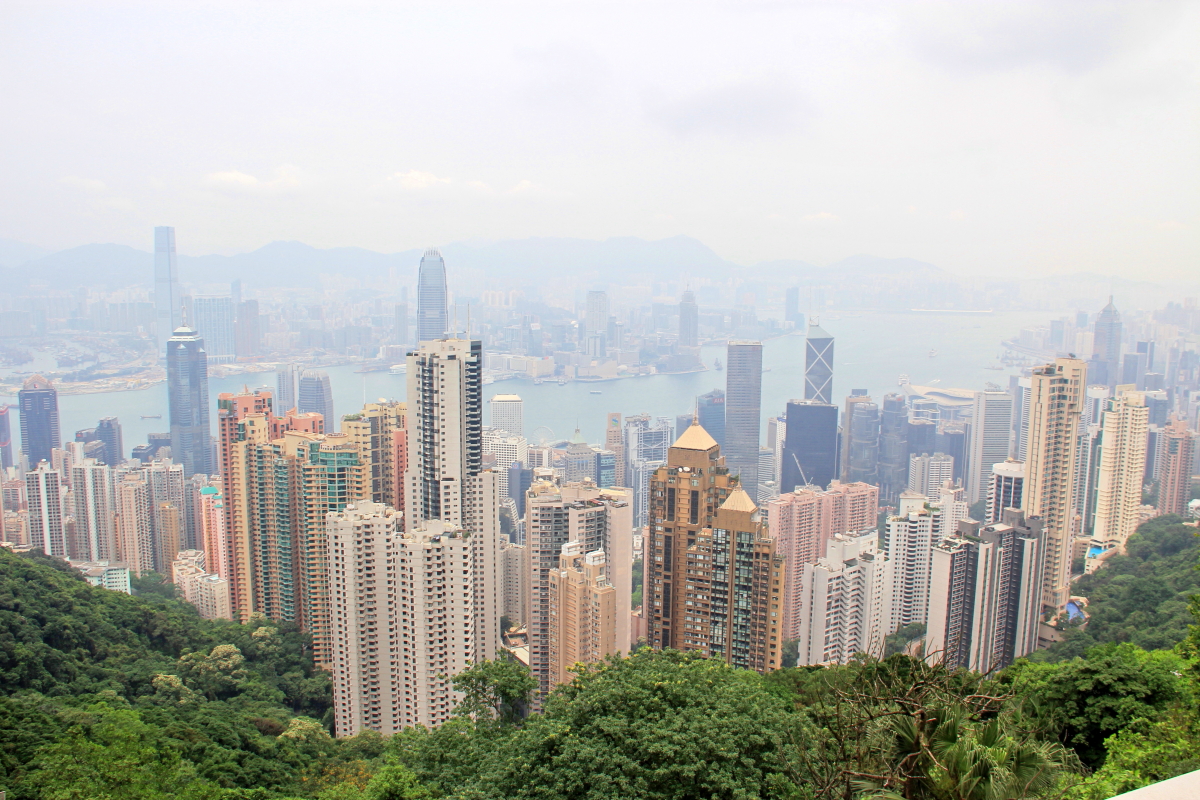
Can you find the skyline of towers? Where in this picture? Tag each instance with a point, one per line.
(433, 319)
(187, 399)
(315, 394)
(818, 364)
(1055, 403)
(168, 295)
(743, 411)
(37, 402)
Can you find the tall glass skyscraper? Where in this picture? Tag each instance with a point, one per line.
(187, 399)
(40, 433)
(1106, 346)
(818, 365)
(213, 318)
(432, 316)
(168, 313)
(689, 321)
(810, 445)
(743, 412)
(285, 390)
(710, 412)
(6, 454)
(315, 394)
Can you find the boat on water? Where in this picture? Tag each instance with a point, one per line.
(562, 380)
(595, 391)
(717, 364)
(933, 353)
(398, 369)
(995, 367)
(151, 416)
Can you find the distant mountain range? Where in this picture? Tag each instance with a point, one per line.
(522, 261)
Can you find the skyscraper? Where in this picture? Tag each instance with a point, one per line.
(893, 447)
(508, 413)
(44, 500)
(710, 412)
(991, 424)
(584, 629)
(6, 452)
(598, 520)
(315, 394)
(1175, 469)
(168, 297)
(707, 546)
(109, 431)
(791, 306)
(862, 433)
(1106, 346)
(927, 473)
(908, 540)
(248, 332)
(213, 319)
(614, 442)
(433, 321)
(985, 594)
(400, 325)
(594, 336)
(1122, 466)
(285, 390)
(445, 478)
(94, 509)
(1005, 489)
(743, 412)
(396, 642)
(804, 521)
(187, 399)
(1055, 401)
(818, 365)
(810, 445)
(40, 433)
(844, 595)
(689, 321)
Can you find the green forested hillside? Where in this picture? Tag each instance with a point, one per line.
(114, 697)
(1142, 597)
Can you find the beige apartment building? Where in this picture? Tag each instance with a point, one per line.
(1055, 403)
(1175, 472)
(583, 612)
(403, 611)
(1125, 426)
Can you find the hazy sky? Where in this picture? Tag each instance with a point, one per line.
(984, 137)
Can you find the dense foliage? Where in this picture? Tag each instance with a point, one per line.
(130, 698)
(1141, 597)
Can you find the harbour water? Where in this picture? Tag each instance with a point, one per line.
(872, 350)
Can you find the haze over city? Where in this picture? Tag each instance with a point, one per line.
(602, 401)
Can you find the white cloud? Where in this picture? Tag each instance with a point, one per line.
(234, 181)
(416, 179)
(822, 218)
(86, 184)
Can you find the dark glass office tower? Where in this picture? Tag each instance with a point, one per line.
(432, 315)
(168, 298)
(316, 394)
(1104, 367)
(6, 453)
(710, 411)
(743, 412)
(818, 365)
(864, 443)
(187, 399)
(810, 447)
(893, 448)
(40, 434)
(109, 432)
